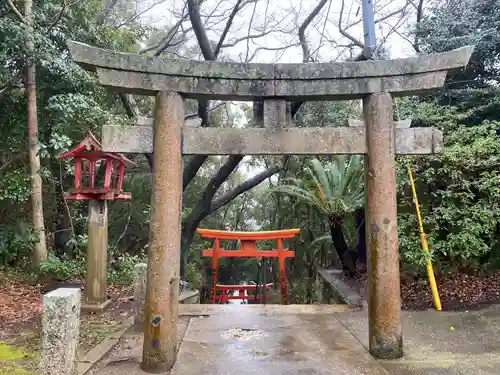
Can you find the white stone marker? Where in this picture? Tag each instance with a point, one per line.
(140, 276)
(60, 331)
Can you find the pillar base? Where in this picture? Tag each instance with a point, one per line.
(388, 350)
(96, 308)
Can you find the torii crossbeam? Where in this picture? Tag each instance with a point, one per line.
(171, 80)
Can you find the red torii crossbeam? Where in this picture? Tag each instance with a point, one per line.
(249, 249)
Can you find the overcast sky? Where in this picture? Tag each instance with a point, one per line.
(283, 16)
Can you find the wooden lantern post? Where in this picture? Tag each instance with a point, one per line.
(88, 157)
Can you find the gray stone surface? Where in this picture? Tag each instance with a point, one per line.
(438, 342)
(249, 90)
(406, 123)
(148, 121)
(237, 81)
(60, 332)
(91, 57)
(341, 290)
(277, 113)
(189, 296)
(240, 339)
(140, 277)
(273, 141)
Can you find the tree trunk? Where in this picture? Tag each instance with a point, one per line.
(187, 234)
(360, 224)
(340, 244)
(40, 250)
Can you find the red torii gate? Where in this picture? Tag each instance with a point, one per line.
(248, 249)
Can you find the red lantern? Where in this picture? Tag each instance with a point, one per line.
(88, 156)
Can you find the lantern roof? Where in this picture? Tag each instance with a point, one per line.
(90, 148)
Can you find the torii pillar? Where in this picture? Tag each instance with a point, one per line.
(384, 305)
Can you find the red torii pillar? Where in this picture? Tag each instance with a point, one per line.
(249, 249)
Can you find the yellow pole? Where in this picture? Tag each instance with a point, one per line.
(425, 246)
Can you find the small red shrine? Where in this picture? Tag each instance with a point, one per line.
(88, 155)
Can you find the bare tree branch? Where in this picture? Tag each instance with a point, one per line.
(58, 18)
(357, 42)
(241, 39)
(420, 12)
(243, 187)
(16, 11)
(344, 33)
(270, 49)
(138, 14)
(165, 42)
(303, 27)
(199, 30)
(197, 161)
(228, 26)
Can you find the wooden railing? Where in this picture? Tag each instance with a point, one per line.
(225, 289)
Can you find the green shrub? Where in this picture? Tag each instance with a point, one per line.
(16, 244)
(123, 270)
(63, 268)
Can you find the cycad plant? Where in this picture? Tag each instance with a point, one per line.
(334, 189)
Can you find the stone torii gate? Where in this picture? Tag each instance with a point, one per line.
(171, 80)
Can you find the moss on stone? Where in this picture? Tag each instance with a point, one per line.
(13, 358)
(10, 352)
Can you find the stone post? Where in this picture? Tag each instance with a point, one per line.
(97, 257)
(60, 332)
(162, 292)
(140, 274)
(384, 305)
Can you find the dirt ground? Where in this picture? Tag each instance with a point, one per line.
(458, 291)
(20, 318)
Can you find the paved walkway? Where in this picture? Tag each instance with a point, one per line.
(303, 340)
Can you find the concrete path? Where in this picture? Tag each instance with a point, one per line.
(303, 340)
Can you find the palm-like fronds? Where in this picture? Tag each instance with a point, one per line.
(334, 188)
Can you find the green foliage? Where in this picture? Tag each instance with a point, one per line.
(16, 244)
(333, 188)
(458, 191)
(63, 268)
(193, 276)
(123, 270)
(464, 22)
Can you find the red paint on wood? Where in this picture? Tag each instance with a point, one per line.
(241, 287)
(87, 155)
(248, 249)
(254, 236)
(287, 253)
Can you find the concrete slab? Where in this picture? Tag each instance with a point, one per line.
(207, 309)
(126, 357)
(268, 340)
(440, 342)
(246, 343)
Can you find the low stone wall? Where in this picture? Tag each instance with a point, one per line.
(187, 296)
(332, 289)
